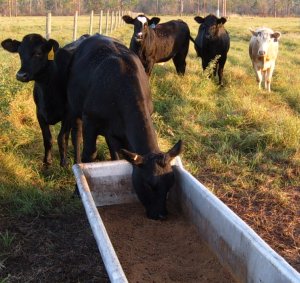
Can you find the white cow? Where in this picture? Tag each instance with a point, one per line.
(263, 50)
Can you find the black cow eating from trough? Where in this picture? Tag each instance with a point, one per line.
(43, 62)
(155, 43)
(110, 95)
(212, 41)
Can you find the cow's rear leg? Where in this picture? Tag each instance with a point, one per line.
(89, 132)
(76, 134)
(62, 140)
(47, 139)
(180, 63)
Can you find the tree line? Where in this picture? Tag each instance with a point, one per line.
(161, 7)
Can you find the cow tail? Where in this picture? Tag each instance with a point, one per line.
(191, 39)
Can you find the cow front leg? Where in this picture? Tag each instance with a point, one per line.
(221, 64)
(148, 65)
(205, 64)
(258, 74)
(47, 139)
(114, 147)
(268, 78)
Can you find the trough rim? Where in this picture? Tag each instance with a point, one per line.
(116, 273)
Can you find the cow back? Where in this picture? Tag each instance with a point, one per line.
(165, 40)
(109, 85)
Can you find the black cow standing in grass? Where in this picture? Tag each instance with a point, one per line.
(155, 43)
(212, 41)
(109, 94)
(43, 62)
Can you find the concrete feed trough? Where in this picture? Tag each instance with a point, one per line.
(238, 248)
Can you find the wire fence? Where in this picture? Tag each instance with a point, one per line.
(108, 21)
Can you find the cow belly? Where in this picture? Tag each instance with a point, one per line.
(51, 118)
(263, 64)
(267, 65)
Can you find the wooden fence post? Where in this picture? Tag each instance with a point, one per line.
(111, 21)
(75, 26)
(91, 22)
(48, 25)
(106, 24)
(116, 19)
(100, 22)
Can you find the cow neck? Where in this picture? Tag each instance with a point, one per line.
(51, 81)
(135, 47)
(48, 75)
(202, 36)
(142, 136)
(148, 42)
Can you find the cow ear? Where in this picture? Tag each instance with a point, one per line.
(199, 20)
(11, 45)
(128, 20)
(54, 44)
(174, 151)
(133, 158)
(50, 45)
(276, 35)
(253, 32)
(154, 21)
(222, 21)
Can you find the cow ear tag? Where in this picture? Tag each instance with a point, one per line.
(51, 55)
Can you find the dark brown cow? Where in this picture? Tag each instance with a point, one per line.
(155, 43)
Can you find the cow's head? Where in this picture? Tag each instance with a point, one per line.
(210, 26)
(140, 23)
(152, 179)
(35, 52)
(264, 37)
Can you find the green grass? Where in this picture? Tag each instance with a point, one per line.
(241, 142)
(6, 239)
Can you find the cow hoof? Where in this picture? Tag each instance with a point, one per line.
(64, 163)
(46, 165)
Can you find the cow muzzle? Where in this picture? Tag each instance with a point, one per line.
(139, 37)
(157, 215)
(261, 53)
(22, 77)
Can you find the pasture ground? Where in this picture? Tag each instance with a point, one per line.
(242, 143)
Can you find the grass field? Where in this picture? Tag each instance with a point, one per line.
(242, 143)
